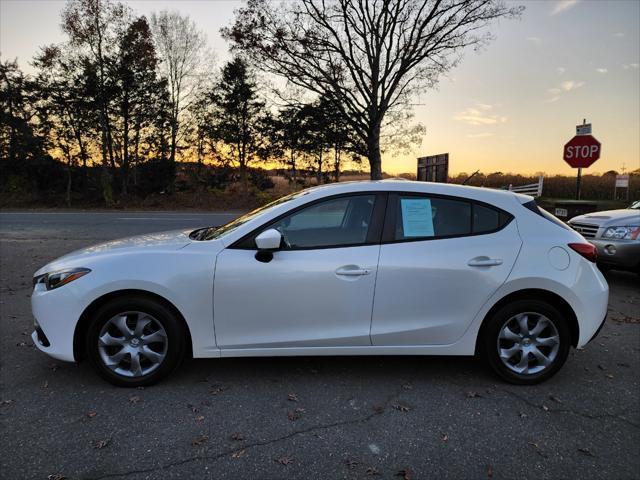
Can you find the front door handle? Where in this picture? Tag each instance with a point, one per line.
(484, 262)
(352, 271)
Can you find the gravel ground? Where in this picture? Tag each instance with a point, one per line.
(362, 417)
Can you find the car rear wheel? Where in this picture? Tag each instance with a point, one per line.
(526, 342)
(134, 341)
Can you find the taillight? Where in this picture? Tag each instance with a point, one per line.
(587, 250)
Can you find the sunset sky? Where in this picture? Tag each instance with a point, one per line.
(510, 107)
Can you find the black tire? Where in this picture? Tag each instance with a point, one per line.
(490, 341)
(174, 351)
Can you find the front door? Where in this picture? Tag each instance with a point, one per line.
(317, 291)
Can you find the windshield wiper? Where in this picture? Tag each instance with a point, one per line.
(202, 233)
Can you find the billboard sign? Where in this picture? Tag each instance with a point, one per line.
(433, 168)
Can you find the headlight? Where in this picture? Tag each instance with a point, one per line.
(62, 277)
(630, 232)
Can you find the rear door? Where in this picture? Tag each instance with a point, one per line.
(440, 261)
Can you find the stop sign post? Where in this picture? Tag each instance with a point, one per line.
(581, 151)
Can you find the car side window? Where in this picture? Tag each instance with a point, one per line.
(335, 222)
(428, 217)
(485, 219)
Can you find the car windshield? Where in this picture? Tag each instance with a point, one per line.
(211, 233)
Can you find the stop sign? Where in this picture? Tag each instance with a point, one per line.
(581, 151)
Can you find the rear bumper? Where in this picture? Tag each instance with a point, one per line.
(624, 254)
(604, 320)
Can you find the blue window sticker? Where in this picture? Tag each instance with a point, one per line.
(417, 220)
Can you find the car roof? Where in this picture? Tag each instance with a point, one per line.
(488, 195)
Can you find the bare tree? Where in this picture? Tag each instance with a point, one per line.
(181, 48)
(369, 57)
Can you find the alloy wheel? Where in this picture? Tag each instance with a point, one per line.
(528, 343)
(132, 344)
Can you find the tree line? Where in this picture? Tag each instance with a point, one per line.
(125, 101)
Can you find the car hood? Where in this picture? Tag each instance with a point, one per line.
(609, 217)
(172, 240)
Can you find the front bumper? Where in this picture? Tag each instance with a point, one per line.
(623, 254)
(56, 314)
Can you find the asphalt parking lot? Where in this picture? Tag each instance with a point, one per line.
(364, 417)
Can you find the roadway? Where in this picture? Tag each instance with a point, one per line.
(434, 417)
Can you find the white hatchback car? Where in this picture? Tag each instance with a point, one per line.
(363, 268)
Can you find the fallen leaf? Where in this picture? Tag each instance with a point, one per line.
(134, 399)
(92, 414)
(405, 474)
(608, 375)
(21, 344)
(472, 394)
(533, 444)
(351, 463)
(545, 408)
(56, 476)
(372, 471)
(586, 451)
(199, 441)
(193, 408)
(199, 418)
(407, 386)
(238, 453)
(555, 399)
(216, 389)
(237, 437)
(292, 397)
(284, 460)
(6, 402)
(293, 415)
(378, 408)
(401, 408)
(100, 444)
(445, 437)
(522, 415)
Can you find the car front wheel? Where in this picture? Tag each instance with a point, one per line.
(134, 341)
(526, 342)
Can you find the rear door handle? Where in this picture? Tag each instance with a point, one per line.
(484, 262)
(351, 271)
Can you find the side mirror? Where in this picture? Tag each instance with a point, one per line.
(269, 240)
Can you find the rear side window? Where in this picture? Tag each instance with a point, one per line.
(424, 217)
(488, 219)
(485, 219)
